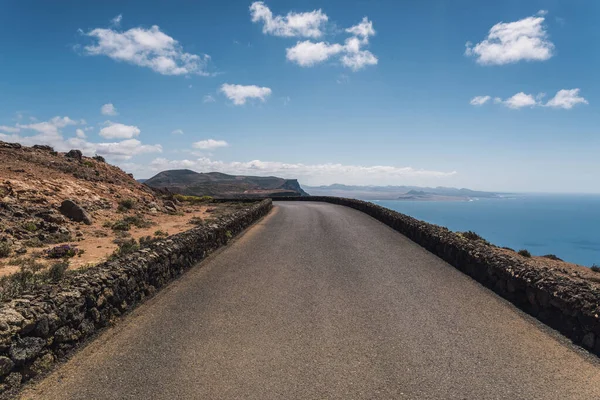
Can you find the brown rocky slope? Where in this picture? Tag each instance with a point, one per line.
(49, 199)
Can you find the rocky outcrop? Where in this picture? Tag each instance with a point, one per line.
(74, 154)
(72, 210)
(39, 328)
(562, 301)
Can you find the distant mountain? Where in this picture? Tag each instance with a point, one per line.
(141, 180)
(398, 192)
(216, 184)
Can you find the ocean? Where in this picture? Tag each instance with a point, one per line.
(565, 225)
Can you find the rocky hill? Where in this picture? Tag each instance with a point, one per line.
(216, 184)
(87, 206)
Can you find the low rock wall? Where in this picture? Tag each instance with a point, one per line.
(39, 328)
(569, 305)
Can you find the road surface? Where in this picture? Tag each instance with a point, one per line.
(319, 301)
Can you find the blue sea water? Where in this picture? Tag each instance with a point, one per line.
(565, 225)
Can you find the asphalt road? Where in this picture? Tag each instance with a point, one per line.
(323, 302)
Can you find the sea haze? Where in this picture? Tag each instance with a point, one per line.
(564, 225)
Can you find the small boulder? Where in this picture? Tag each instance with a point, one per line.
(170, 206)
(72, 210)
(26, 349)
(75, 154)
(6, 365)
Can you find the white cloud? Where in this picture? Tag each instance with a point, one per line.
(50, 127)
(239, 94)
(149, 48)
(177, 132)
(520, 100)
(123, 150)
(523, 40)
(364, 29)
(210, 144)
(9, 129)
(116, 21)
(109, 109)
(308, 54)
(312, 174)
(566, 98)
(115, 130)
(306, 24)
(479, 100)
(50, 133)
(208, 98)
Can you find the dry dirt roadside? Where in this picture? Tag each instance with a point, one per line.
(322, 301)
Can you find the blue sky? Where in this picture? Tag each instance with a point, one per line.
(498, 96)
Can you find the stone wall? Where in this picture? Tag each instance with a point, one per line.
(562, 301)
(39, 328)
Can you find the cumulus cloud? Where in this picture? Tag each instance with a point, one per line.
(149, 48)
(239, 94)
(307, 53)
(566, 98)
(510, 42)
(479, 100)
(210, 144)
(49, 127)
(50, 133)
(306, 24)
(351, 53)
(115, 130)
(313, 174)
(177, 132)
(364, 29)
(108, 109)
(520, 100)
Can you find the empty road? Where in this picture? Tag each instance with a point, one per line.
(319, 301)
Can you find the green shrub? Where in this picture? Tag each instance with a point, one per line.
(595, 268)
(228, 234)
(30, 226)
(552, 257)
(121, 225)
(193, 199)
(160, 233)
(126, 246)
(88, 163)
(99, 158)
(4, 249)
(57, 270)
(524, 253)
(146, 241)
(126, 204)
